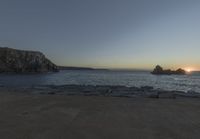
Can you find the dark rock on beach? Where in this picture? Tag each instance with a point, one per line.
(20, 61)
(160, 71)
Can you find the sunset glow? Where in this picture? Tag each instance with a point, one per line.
(188, 70)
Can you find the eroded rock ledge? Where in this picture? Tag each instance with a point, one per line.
(114, 91)
(20, 61)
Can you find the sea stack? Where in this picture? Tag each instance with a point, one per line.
(158, 70)
(20, 61)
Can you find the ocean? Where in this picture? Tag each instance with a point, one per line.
(189, 82)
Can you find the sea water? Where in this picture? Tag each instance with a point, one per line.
(189, 82)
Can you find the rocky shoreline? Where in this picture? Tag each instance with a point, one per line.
(112, 91)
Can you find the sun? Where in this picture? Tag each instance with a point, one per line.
(188, 70)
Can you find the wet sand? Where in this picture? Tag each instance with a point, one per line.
(28, 116)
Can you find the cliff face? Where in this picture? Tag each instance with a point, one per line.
(12, 60)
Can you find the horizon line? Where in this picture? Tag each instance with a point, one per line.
(125, 69)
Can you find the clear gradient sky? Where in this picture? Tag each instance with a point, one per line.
(105, 33)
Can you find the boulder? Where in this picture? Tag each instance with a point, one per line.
(20, 61)
(157, 70)
(180, 71)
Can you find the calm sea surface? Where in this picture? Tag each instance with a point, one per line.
(190, 82)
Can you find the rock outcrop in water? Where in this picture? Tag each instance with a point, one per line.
(159, 71)
(19, 61)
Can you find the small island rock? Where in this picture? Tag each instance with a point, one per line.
(158, 70)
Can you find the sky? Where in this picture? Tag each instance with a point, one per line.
(133, 34)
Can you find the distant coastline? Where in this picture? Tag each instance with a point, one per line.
(79, 68)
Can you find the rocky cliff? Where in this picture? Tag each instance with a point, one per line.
(19, 61)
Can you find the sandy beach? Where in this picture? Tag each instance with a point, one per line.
(29, 116)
